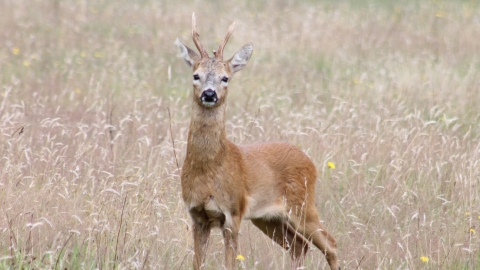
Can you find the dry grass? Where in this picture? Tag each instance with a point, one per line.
(386, 91)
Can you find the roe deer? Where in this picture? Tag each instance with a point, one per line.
(272, 184)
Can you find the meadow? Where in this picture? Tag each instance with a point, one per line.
(383, 96)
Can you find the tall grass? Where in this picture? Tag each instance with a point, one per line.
(387, 91)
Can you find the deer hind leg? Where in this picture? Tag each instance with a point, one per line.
(313, 230)
(283, 234)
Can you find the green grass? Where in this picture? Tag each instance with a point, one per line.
(386, 90)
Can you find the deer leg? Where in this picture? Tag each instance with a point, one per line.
(230, 238)
(201, 234)
(313, 230)
(283, 234)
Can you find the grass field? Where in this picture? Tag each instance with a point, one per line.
(386, 91)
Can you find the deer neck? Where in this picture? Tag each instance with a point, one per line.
(206, 137)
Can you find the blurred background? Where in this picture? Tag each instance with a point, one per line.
(94, 110)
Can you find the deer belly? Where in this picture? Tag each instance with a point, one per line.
(265, 210)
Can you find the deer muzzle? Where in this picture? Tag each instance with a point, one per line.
(209, 97)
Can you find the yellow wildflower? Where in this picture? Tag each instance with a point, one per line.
(240, 257)
(424, 259)
(26, 63)
(15, 50)
(467, 214)
(331, 165)
(472, 230)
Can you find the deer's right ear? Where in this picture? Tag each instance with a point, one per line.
(186, 53)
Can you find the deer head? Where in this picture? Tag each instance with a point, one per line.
(211, 75)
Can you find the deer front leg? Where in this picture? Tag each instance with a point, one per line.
(230, 237)
(201, 234)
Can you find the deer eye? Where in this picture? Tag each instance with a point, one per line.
(224, 79)
(196, 77)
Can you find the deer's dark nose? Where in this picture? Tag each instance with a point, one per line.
(209, 97)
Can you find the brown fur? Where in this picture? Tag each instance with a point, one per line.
(272, 184)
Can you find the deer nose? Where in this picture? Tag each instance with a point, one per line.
(209, 97)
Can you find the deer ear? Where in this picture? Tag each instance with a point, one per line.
(186, 53)
(240, 58)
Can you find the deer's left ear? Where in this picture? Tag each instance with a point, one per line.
(187, 54)
(240, 58)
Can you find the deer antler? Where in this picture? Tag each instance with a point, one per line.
(219, 52)
(195, 36)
